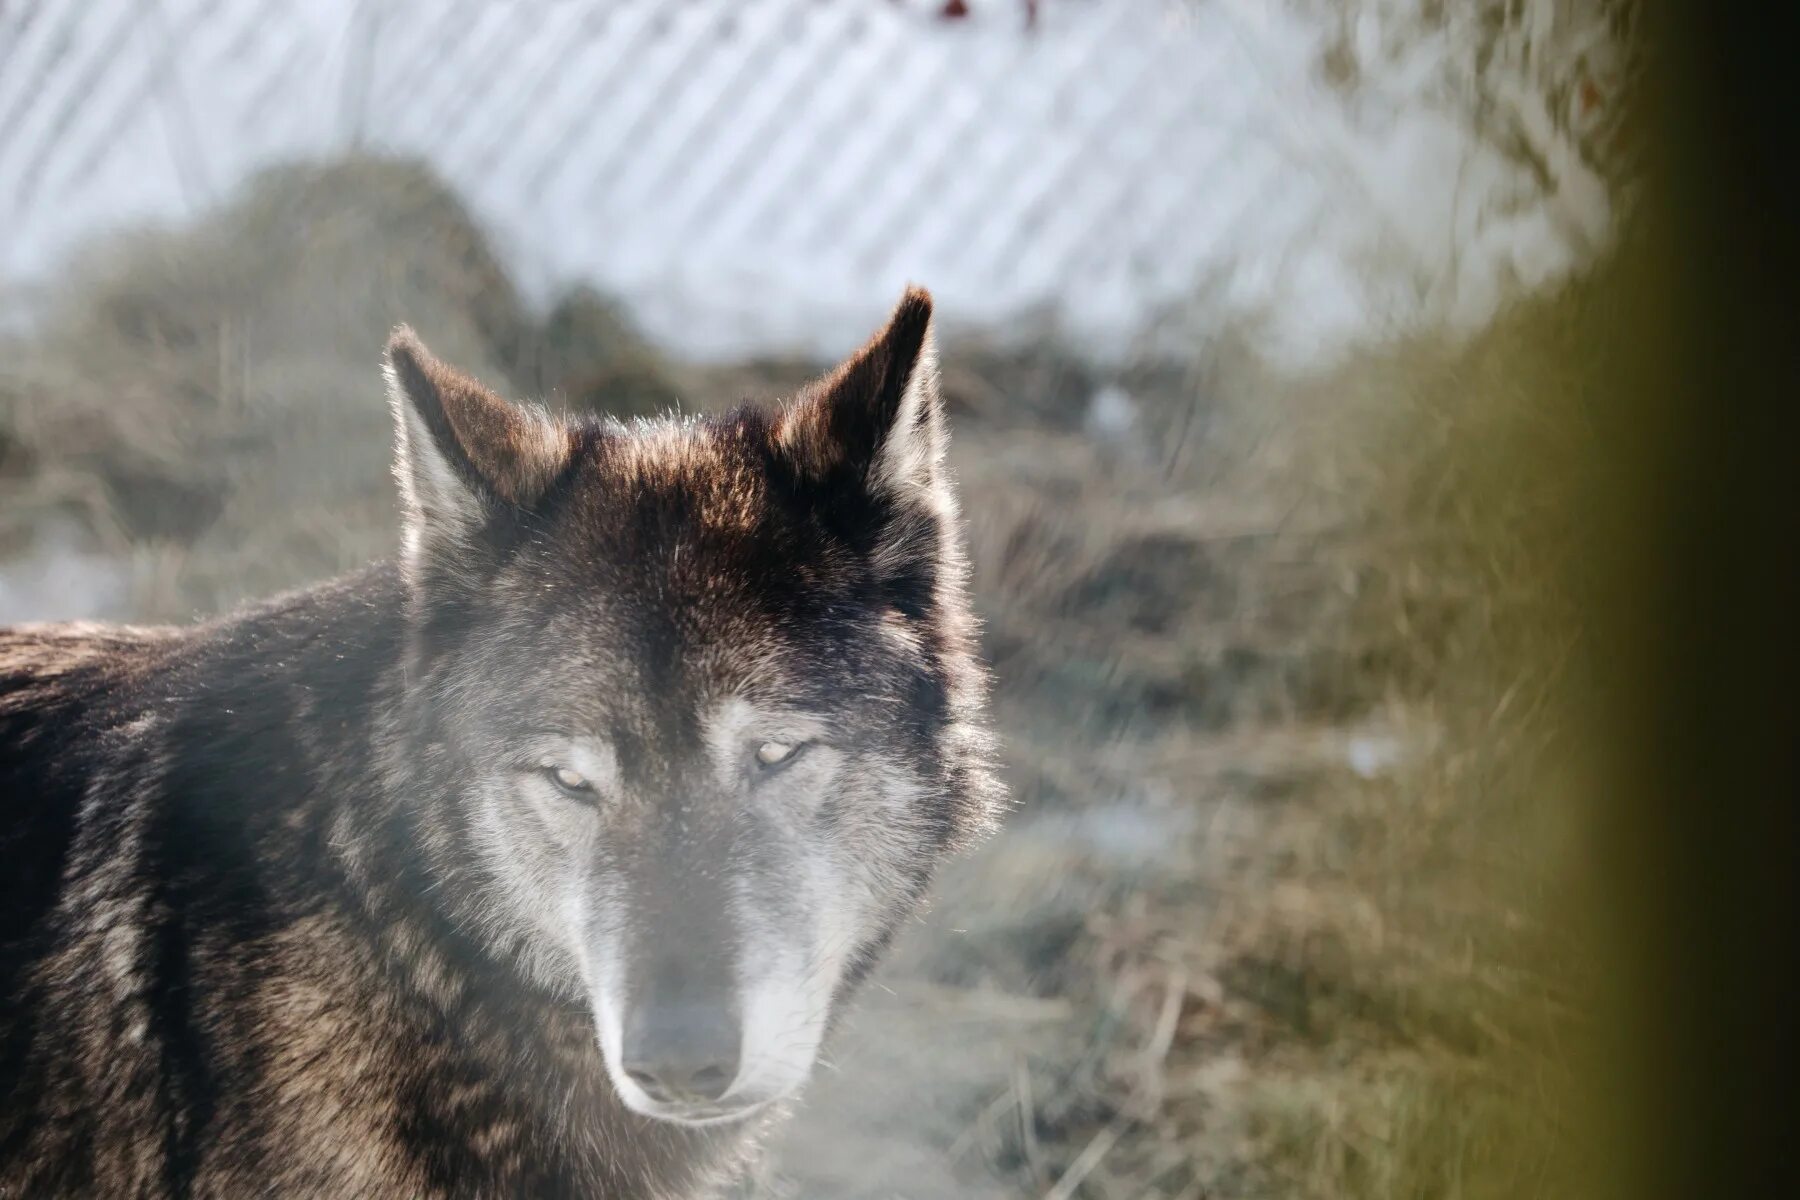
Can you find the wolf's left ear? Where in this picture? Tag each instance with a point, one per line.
(463, 455)
(877, 419)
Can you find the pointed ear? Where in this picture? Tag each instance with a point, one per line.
(878, 418)
(462, 454)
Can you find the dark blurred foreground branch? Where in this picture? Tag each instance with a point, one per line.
(1701, 771)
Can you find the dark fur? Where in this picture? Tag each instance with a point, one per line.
(244, 945)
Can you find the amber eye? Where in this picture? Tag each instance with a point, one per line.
(775, 754)
(572, 782)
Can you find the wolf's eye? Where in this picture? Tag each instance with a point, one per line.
(572, 782)
(775, 754)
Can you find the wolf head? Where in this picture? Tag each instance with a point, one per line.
(694, 704)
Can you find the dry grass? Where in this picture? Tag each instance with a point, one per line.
(1402, 956)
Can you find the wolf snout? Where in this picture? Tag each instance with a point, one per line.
(683, 1053)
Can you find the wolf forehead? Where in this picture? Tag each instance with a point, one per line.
(711, 517)
(694, 542)
(801, 555)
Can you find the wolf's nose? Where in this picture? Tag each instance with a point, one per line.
(682, 1053)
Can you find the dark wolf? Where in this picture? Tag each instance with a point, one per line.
(535, 862)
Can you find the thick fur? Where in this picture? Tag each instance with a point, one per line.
(289, 904)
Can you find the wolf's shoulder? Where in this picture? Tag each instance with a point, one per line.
(184, 738)
(60, 683)
(91, 671)
(85, 700)
(63, 650)
(64, 691)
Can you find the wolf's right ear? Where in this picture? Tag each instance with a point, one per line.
(462, 454)
(878, 418)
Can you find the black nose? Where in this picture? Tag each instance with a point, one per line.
(682, 1052)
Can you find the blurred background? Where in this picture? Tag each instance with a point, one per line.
(1271, 336)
